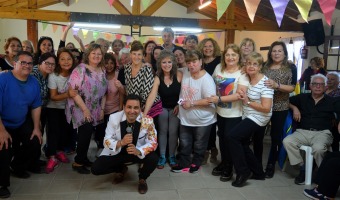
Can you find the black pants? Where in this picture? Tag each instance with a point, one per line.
(225, 125)
(83, 142)
(100, 132)
(328, 176)
(277, 122)
(58, 132)
(21, 153)
(110, 164)
(239, 139)
(336, 138)
(212, 137)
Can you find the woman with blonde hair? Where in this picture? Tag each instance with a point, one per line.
(12, 47)
(247, 46)
(27, 45)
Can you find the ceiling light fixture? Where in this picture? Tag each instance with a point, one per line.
(131, 3)
(180, 29)
(207, 3)
(95, 25)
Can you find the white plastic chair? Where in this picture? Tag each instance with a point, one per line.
(308, 164)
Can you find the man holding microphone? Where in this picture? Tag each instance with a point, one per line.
(130, 137)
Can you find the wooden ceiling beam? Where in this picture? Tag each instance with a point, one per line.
(32, 4)
(121, 8)
(44, 15)
(136, 7)
(153, 7)
(193, 7)
(25, 3)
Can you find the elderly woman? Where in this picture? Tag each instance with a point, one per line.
(211, 58)
(247, 46)
(148, 48)
(12, 47)
(117, 45)
(257, 109)
(282, 78)
(168, 85)
(45, 45)
(139, 79)
(59, 131)
(196, 114)
(27, 45)
(104, 44)
(333, 90)
(229, 79)
(316, 67)
(86, 110)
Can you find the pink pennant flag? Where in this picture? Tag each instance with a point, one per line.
(279, 7)
(75, 31)
(180, 39)
(118, 36)
(201, 37)
(63, 28)
(110, 2)
(327, 7)
(251, 6)
(201, 1)
(54, 27)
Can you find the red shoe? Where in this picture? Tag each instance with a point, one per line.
(51, 164)
(62, 157)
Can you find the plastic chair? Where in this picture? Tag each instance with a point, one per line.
(308, 164)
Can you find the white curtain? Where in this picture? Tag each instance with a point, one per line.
(294, 54)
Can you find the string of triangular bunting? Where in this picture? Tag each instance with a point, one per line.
(279, 7)
(127, 38)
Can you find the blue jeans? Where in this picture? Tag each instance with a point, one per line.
(168, 123)
(189, 135)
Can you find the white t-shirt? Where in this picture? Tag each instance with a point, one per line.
(60, 83)
(192, 90)
(226, 84)
(254, 93)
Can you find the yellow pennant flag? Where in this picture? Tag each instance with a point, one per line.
(85, 32)
(222, 6)
(304, 7)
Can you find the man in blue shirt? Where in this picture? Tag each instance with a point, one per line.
(20, 138)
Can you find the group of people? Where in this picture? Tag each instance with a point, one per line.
(156, 104)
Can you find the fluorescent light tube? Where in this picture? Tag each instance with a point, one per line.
(180, 29)
(96, 25)
(207, 3)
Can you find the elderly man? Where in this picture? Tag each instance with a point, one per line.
(315, 112)
(130, 137)
(168, 36)
(20, 138)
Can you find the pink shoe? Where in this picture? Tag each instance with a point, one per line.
(51, 164)
(62, 157)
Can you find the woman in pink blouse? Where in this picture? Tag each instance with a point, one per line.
(86, 110)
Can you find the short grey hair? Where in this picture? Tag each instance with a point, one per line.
(312, 78)
(334, 74)
(123, 51)
(168, 30)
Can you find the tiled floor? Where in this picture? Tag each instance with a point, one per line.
(66, 184)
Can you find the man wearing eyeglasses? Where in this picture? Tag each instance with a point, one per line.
(20, 138)
(314, 113)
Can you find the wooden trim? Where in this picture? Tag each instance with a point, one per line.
(32, 31)
(136, 7)
(45, 15)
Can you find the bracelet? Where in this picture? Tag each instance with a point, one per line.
(192, 104)
(219, 99)
(121, 143)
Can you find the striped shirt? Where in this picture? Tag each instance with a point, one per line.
(255, 93)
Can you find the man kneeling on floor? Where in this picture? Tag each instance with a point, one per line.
(130, 137)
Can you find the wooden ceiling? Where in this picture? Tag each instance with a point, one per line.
(235, 18)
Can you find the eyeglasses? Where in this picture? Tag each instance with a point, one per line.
(24, 63)
(318, 84)
(49, 64)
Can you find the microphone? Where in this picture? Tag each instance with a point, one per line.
(129, 130)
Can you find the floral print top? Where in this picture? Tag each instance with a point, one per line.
(92, 86)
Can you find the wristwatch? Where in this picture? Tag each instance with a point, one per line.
(248, 103)
(219, 99)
